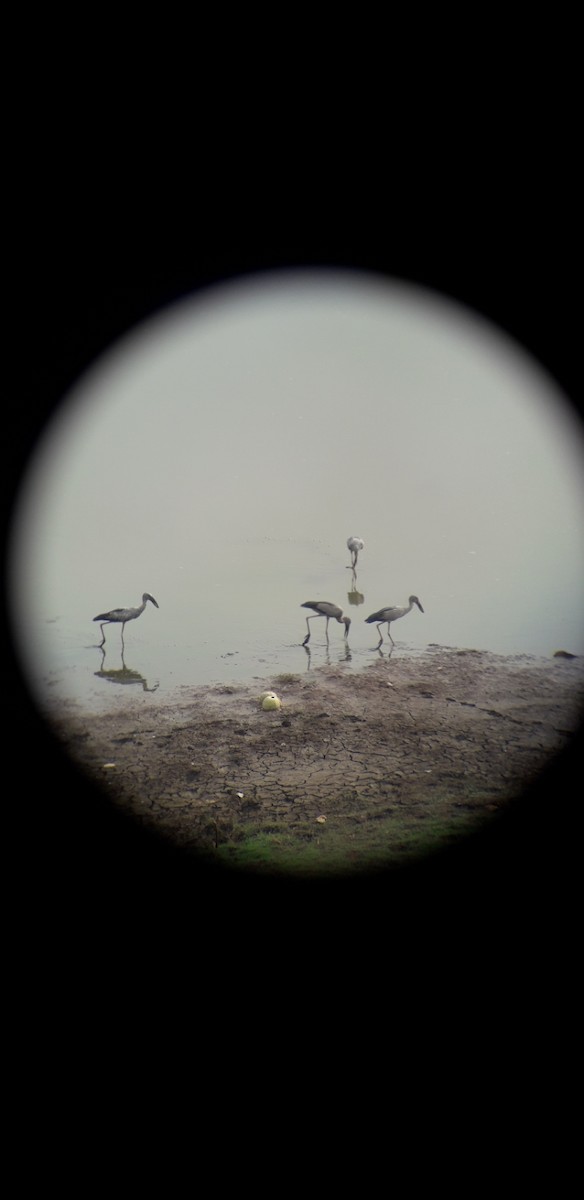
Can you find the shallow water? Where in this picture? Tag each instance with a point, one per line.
(205, 638)
(220, 457)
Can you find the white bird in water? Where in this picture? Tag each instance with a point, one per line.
(323, 608)
(117, 615)
(355, 544)
(392, 613)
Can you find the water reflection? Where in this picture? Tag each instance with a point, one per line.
(381, 653)
(344, 656)
(355, 596)
(122, 674)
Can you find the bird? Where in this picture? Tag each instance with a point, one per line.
(355, 544)
(323, 608)
(392, 613)
(124, 614)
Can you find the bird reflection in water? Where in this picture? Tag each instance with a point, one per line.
(354, 544)
(345, 656)
(355, 596)
(389, 652)
(123, 674)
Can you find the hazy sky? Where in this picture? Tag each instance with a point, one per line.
(306, 408)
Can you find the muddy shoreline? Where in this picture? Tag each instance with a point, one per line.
(356, 770)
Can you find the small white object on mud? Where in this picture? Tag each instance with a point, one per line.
(270, 701)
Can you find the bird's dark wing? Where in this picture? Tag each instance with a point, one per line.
(377, 616)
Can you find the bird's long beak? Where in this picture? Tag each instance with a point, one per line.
(419, 606)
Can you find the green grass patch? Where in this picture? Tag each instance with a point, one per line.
(342, 846)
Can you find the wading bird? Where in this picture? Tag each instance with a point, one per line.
(117, 615)
(323, 608)
(355, 544)
(391, 614)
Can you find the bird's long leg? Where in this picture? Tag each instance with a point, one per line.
(102, 636)
(380, 634)
(326, 628)
(123, 623)
(307, 638)
(389, 634)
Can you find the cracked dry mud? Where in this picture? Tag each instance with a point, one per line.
(438, 741)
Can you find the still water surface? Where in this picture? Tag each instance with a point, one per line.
(220, 457)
